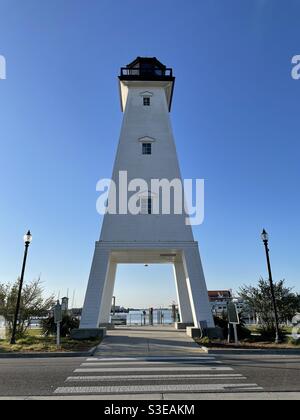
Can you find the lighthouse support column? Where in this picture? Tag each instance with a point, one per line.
(94, 296)
(106, 302)
(197, 289)
(185, 311)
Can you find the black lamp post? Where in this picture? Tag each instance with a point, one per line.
(265, 238)
(27, 241)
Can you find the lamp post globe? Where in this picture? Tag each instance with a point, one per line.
(265, 236)
(28, 238)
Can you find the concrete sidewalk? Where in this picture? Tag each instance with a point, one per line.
(157, 341)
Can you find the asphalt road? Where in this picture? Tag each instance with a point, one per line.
(34, 377)
(273, 373)
(59, 377)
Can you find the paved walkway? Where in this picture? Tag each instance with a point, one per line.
(157, 341)
(152, 362)
(155, 363)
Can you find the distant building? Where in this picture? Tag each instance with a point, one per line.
(219, 300)
(219, 295)
(120, 309)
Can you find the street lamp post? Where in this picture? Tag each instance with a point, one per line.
(265, 238)
(27, 241)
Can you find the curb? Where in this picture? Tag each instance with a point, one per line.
(165, 397)
(48, 355)
(239, 352)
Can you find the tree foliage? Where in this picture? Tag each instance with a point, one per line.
(33, 304)
(259, 299)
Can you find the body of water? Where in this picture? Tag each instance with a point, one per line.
(160, 316)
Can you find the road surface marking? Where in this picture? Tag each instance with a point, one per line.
(155, 388)
(154, 377)
(95, 364)
(155, 369)
(148, 359)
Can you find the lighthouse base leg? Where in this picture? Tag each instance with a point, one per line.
(102, 272)
(107, 295)
(196, 285)
(212, 333)
(183, 325)
(184, 305)
(82, 334)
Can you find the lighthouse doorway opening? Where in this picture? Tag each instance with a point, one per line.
(144, 294)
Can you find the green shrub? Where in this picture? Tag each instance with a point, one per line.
(293, 341)
(68, 324)
(205, 341)
(268, 333)
(243, 332)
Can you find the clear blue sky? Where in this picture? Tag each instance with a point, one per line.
(235, 118)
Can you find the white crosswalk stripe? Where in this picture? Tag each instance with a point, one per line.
(155, 388)
(98, 364)
(150, 359)
(153, 369)
(154, 375)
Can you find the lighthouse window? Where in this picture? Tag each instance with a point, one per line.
(147, 101)
(147, 148)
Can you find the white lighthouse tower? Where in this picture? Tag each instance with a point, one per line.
(146, 151)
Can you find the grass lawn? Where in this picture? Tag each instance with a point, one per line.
(255, 329)
(34, 332)
(259, 345)
(36, 343)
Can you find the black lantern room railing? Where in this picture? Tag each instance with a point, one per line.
(146, 68)
(145, 72)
